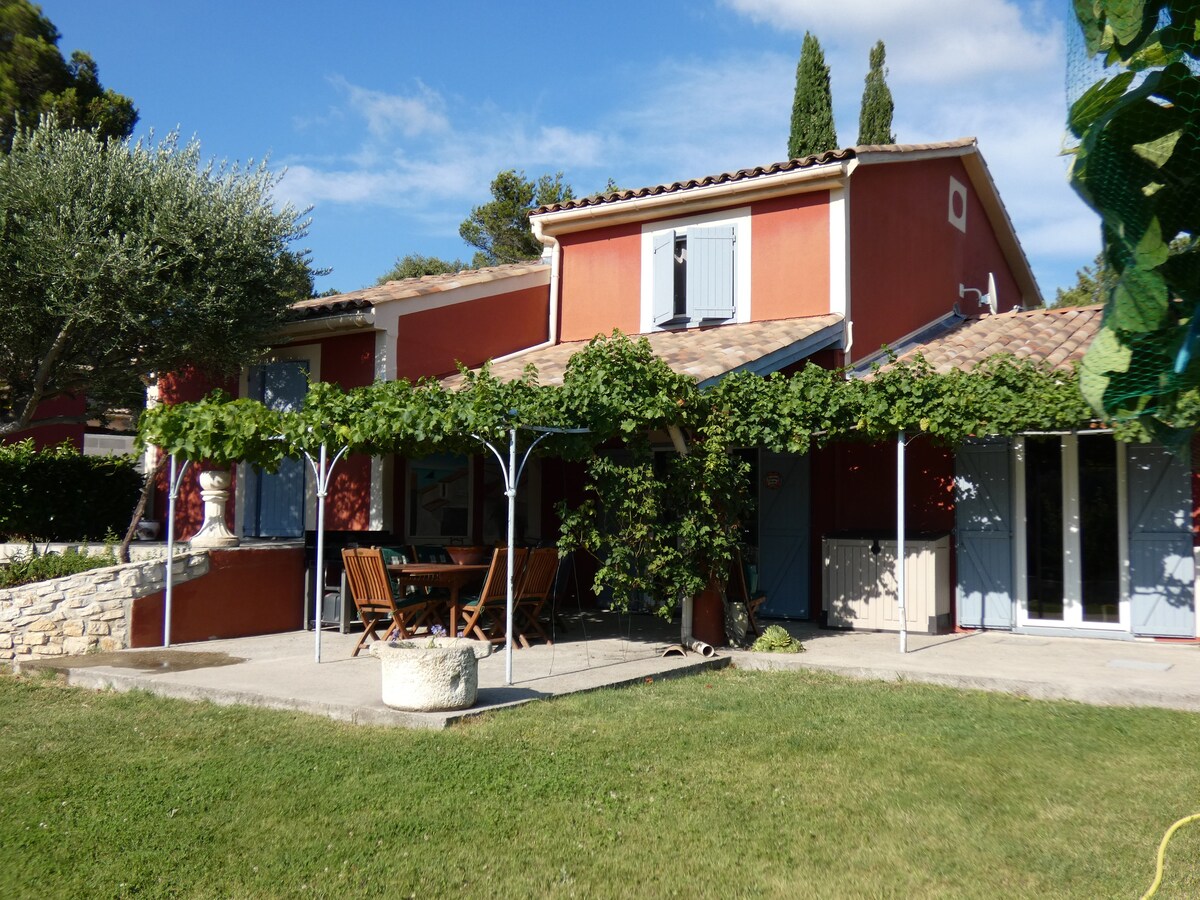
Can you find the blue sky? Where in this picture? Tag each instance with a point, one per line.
(392, 118)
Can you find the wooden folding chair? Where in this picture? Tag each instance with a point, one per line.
(535, 589)
(375, 597)
(739, 591)
(485, 615)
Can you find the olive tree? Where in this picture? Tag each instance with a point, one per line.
(121, 259)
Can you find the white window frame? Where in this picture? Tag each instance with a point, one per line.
(739, 219)
(1072, 554)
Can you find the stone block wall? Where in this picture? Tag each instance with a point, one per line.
(83, 612)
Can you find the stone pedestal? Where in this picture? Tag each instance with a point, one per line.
(214, 491)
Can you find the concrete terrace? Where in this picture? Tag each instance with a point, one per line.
(603, 650)
(280, 671)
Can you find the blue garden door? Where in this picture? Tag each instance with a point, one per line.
(275, 500)
(1161, 593)
(784, 535)
(983, 525)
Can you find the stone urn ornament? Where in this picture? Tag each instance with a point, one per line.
(214, 491)
(430, 674)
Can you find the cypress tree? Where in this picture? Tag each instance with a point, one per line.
(812, 108)
(875, 116)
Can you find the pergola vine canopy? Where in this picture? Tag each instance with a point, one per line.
(618, 389)
(664, 527)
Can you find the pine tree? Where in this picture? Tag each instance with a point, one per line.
(499, 229)
(1092, 284)
(875, 116)
(812, 108)
(36, 80)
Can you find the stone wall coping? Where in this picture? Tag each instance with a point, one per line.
(138, 550)
(105, 573)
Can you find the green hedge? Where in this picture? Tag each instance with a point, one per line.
(58, 494)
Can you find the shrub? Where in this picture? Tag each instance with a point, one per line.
(29, 567)
(58, 494)
(775, 639)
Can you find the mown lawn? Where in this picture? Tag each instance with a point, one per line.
(726, 785)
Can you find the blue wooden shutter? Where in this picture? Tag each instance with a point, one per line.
(254, 390)
(710, 271)
(1161, 594)
(983, 525)
(663, 308)
(279, 495)
(784, 535)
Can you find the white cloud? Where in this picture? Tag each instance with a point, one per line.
(692, 118)
(429, 160)
(386, 113)
(990, 68)
(304, 185)
(928, 41)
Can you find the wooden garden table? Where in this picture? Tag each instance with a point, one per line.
(447, 575)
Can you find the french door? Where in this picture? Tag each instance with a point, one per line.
(1072, 532)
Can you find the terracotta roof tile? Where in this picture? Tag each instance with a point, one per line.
(703, 353)
(787, 165)
(1058, 336)
(413, 287)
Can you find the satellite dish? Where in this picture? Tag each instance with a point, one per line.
(990, 299)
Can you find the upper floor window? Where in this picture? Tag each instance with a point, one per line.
(695, 272)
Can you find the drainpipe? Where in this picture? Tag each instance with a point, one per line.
(685, 620)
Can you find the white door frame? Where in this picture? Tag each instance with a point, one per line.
(1072, 554)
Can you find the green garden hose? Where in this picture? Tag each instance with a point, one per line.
(1162, 849)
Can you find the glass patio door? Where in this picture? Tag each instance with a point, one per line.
(1071, 532)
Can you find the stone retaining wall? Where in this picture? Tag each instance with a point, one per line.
(87, 611)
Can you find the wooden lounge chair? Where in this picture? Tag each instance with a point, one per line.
(484, 615)
(376, 598)
(738, 591)
(535, 589)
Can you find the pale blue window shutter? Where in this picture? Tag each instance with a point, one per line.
(1161, 595)
(279, 496)
(663, 308)
(983, 528)
(710, 271)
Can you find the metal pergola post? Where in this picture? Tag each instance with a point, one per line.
(174, 480)
(512, 477)
(322, 472)
(900, 566)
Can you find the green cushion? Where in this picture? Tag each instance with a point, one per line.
(394, 557)
(414, 600)
(432, 554)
